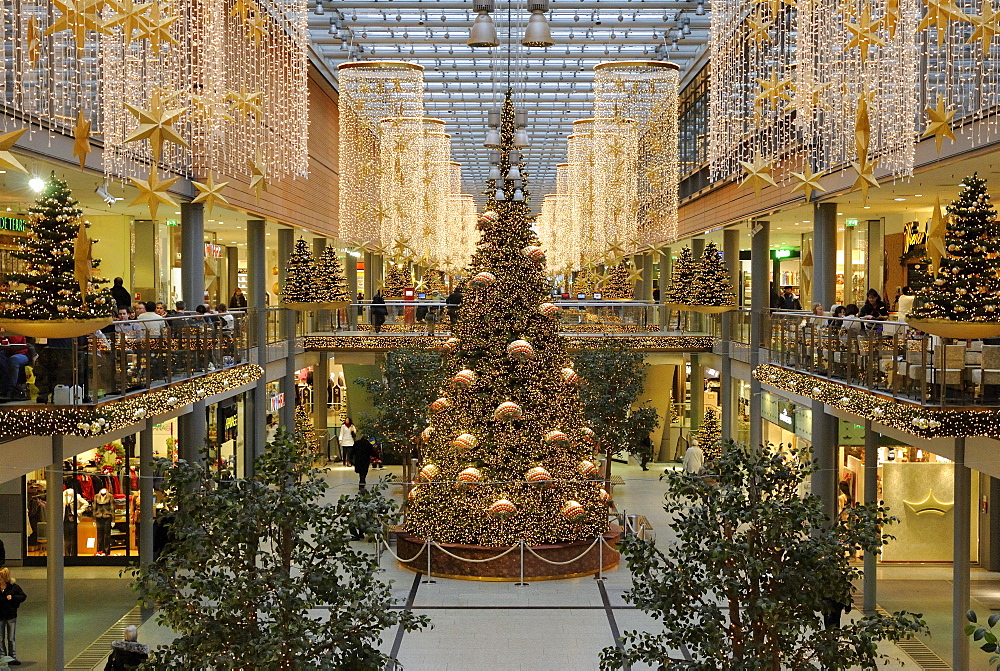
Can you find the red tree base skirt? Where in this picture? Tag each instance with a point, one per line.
(508, 567)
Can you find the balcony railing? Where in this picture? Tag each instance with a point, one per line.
(889, 358)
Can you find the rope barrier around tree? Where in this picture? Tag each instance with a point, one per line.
(476, 561)
(569, 561)
(384, 541)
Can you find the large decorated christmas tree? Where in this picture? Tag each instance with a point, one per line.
(709, 435)
(331, 284)
(57, 282)
(712, 285)
(299, 287)
(397, 279)
(618, 285)
(965, 284)
(507, 456)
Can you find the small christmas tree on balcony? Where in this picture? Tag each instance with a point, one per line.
(712, 284)
(397, 279)
(965, 284)
(57, 282)
(331, 284)
(299, 289)
(618, 285)
(682, 278)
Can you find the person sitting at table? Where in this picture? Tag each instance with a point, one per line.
(152, 322)
(14, 356)
(838, 311)
(851, 322)
(874, 308)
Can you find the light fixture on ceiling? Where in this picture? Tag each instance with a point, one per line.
(500, 196)
(484, 32)
(319, 8)
(36, 184)
(899, 200)
(537, 34)
(918, 195)
(101, 191)
(518, 195)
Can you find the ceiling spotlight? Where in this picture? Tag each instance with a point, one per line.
(500, 196)
(521, 138)
(513, 173)
(518, 195)
(700, 10)
(484, 32)
(319, 8)
(492, 138)
(101, 191)
(537, 34)
(494, 172)
(36, 184)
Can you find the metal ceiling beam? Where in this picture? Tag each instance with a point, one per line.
(392, 6)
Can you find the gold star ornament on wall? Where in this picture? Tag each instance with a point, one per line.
(156, 124)
(758, 174)
(808, 182)
(939, 123)
(210, 193)
(7, 159)
(153, 191)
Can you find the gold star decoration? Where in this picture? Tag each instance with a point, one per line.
(939, 14)
(7, 159)
(774, 89)
(258, 176)
(209, 193)
(865, 32)
(892, 16)
(81, 138)
(129, 16)
(615, 252)
(866, 177)
(245, 102)
(808, 182)
(205, 108)
(83, 267)
(987, 26)
(935, 236)
(78, 17)
(241, 8)
(635, 275)
(758, 174)
(758, 29)
(156, 28)
(862, 128)
(156, 125)
(153, 191)
(34, 41)
(258, 24)
(939, 123)
(401, 245)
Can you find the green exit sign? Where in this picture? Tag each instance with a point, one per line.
(782, 253)
(852, 222)
(173, 222)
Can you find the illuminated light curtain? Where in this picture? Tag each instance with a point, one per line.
(236, 72)
(637, 99)
(962, 79)
(582, 189)
(369, 93)
(751, 45)
(855, 83)
(48, 79)
(429, 230)
(401, 177)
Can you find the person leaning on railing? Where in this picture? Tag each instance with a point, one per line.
(874, 309)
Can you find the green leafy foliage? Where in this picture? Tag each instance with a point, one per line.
(614, 376)
(990, 642)
(410, 380)
(753, 567)
(252, 562)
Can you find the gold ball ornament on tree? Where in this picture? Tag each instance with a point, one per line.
(587, 469)
(603, 495)
(589, 436)
(507, 411)
(412, 496)
(521, 350)
(464, 379)
(465, 441)
(569, 376)
(483, 280)
(556, 437)
(441, 404)
(573, 511)
(469, 477)
(428, 472)
(549, 309)
(427, 433)
(539, 476)
(449, 345)
(486, 220)
(501, 509)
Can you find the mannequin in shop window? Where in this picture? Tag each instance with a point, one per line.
(73, 507)
(103, 514)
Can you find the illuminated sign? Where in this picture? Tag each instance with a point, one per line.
(213, 251)
(11, 224)
(913, 235)
(782, 253)
(173, 222)
(852, 222)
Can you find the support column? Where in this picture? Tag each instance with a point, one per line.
(256, 420)
(321, 377)
(760, 307)
(286, 240)
(192, 433)
(666, 268)
(322, 320)
(850, 236)
(824, 285)
(825, 445)
(960, 561)
(731, 258)
(232, 272)
(369, 287)
(697, 320)
(875, 269)
(871, 496)
(146, 494)
(647, 276)
(192, 254)
(378, 271)
(697, 387)
(54, 562)
(351, 273)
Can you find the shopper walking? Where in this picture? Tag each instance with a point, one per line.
(127, 653)
(346, 439)
(11, 597)
(694, 460)
(378, 312)
(454, 302)
(362, 453)
(121, 295)
(789, 301)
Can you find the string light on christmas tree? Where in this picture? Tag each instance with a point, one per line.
(682, 278)
(331, 283)
(709, 435)
(712, 286)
